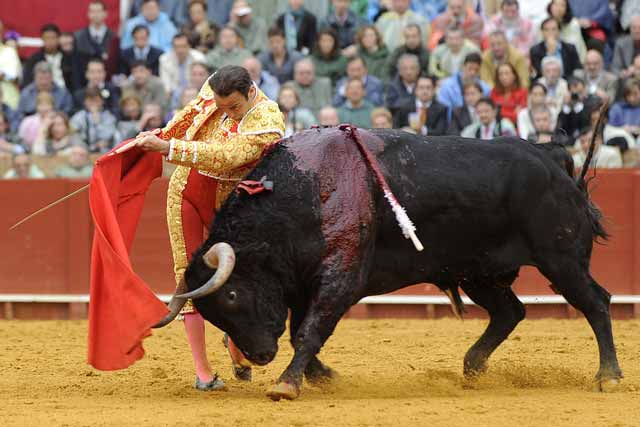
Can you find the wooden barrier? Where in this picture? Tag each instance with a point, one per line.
(50, 254)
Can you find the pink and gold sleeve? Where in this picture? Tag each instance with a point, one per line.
(223, 155)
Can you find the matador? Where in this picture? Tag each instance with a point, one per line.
(215, 140)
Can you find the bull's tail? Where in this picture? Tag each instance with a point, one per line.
(598, 130)
(457, 306)
(595, 215)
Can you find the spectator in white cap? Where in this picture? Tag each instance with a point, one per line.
(252, 29)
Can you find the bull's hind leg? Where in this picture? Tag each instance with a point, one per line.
(505, 311)
(582, 292)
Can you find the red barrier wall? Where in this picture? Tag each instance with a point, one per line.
(50, 253)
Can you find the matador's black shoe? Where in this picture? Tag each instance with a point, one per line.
(242, 373)
(216, 384)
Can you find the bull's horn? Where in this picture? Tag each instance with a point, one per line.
(175, 305)
(221, 257)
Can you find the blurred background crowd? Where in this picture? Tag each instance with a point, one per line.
(536, 69)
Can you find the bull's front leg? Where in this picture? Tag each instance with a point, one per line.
(326, 309)
(316, 372)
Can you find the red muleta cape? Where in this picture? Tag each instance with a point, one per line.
(122, 307)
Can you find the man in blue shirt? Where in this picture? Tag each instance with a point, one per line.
(451, 93)
(43, 82)
(176, 10)
(357, 69)
(141, 50)
(161, 29)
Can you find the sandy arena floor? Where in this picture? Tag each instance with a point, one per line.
(393, 372)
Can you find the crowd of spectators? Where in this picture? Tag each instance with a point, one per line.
(540, 70)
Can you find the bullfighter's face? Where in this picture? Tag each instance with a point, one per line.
(236, 105)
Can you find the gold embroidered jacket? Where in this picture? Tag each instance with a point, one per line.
(200, 138)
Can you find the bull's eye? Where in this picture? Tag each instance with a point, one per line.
(232, 296)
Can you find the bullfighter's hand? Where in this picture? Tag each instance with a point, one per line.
(142, 134)
(153, 143)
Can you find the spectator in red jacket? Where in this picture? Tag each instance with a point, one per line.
(508, 92)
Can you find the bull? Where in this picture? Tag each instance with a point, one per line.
(325, 238)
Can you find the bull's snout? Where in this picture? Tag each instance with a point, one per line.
(264, 357)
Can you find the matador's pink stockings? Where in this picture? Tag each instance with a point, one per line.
(194, 325)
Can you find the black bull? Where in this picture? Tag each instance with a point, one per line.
(326, 237)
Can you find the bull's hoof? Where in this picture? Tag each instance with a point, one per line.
(283, 390)
(473, 370)
(242, 373)
(475, 363)
(242, 368)
(606, 385)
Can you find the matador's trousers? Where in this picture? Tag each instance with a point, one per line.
(190, 211)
